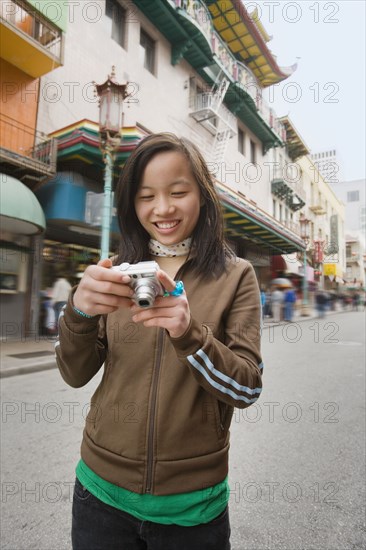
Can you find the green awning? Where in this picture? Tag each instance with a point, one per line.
(246, 221)
(188, 39)
(20, 210)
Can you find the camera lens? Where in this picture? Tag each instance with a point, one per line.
(146, 290)
(144, 296)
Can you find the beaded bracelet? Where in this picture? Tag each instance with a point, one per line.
(86, 315)
(179, 289)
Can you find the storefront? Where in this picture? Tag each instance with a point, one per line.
(22, 224)
(72, 204)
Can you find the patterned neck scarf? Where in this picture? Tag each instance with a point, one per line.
(179, 249)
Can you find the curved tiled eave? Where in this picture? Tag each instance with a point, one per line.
(296, 146)
(245, 39)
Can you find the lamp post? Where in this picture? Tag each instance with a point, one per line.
(304, 233)
(111, 96)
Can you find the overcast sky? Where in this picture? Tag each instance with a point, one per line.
(325, 96)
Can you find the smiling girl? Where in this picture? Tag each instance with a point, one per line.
(154, 456)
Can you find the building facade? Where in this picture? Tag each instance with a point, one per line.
(328, 164)
(195, 68)
(353, 195)
(299, 192)
(31, 46)
(196, 87)
(325, 213)
(356, 267)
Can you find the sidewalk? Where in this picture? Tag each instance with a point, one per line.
(38, 353)
(27, 355)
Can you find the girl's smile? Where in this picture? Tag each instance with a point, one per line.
(168, 201)
(166, 226)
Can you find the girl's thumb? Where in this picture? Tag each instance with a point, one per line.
(106, 262)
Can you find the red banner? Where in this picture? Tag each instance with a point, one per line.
(318, 252)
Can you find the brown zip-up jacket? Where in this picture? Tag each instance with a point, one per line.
(159, 420)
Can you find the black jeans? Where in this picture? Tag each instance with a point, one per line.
(98, 526)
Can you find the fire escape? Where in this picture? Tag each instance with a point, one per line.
(212, 114)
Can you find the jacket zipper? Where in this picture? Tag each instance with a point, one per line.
(150, 445)
(221, 417)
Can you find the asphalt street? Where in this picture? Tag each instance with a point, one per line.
(297, 469)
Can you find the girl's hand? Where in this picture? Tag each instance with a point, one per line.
(102, 290)
(171, 312)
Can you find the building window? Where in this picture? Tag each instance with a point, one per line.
(117, 14)
(363, 218)
(353, 196)
(253, 152)
(147, 48)
(281, 213)
(241, 141)
(274, 210)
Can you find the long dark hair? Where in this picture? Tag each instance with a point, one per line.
(209, 250)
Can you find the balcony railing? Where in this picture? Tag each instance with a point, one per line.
(31, 152)
(27, 20)
(293, 226)
(288, 190)
(317, 208)
(290, 179)
(353, 258)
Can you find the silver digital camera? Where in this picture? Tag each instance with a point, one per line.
(143, 281)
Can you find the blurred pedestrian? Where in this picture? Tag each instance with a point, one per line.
(349, 302)
(355, 301)
(47, 313)
(289, 303)
(60, 294)
(344, 301)
(332, 300)
(276, 303)
(267, 306)
(321, 303)
(263, 302)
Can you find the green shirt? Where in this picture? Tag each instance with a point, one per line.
(185, 509)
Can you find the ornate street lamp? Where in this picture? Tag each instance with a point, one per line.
(305, 235)
(111, 96)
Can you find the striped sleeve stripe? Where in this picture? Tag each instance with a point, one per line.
(216, 385)
(225, 378)
(222, 377)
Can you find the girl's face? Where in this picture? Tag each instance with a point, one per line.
(168, 200)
